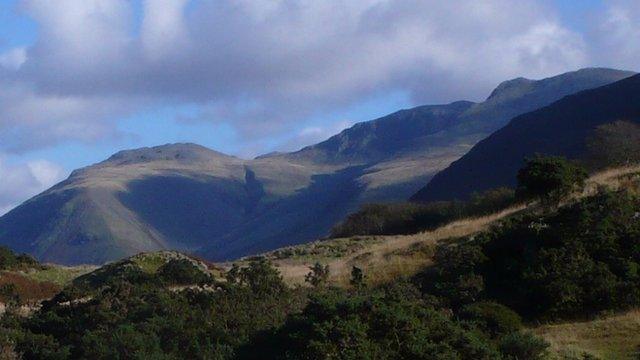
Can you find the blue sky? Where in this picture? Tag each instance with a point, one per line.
(81, 79)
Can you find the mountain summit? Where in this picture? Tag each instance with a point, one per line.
(190, 198)
(561, 128)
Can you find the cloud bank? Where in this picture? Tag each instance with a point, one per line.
(261, 65)
(23, 181)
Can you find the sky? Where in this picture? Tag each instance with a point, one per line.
(82, 79)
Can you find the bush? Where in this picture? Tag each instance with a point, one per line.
(401, 218)
(260, 276)
(455, 277)
(338, 325)
(576, 262)
(549, 179)
(10, 261)
(521, 345)
(411, 218)
(182, 272)
(490, 201)
(318, 275)
(491, 317)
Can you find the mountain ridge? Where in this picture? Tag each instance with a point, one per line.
(190, 198)
(558, 129)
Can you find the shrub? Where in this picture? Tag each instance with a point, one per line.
(401, 218)
(182, 272)
(522, 345)
(490, 201)
(411, 218)
(260, 276)
(549, 179)
(339, 325)
(318, 275)
(493, 318)
(576, 262)
(10, 261)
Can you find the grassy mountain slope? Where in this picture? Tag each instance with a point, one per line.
(182, 300)
(387, 257)
(190, 198)
(559, 129)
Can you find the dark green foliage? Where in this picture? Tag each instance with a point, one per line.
(490, 201)
(521, 345)
(549, 179)
(456, 278)
(260, 277)
(9, 294)
(318, 275)
(491, 317)
(401, 218)
(182, 272)
(11, 261)
(127, 318)
(576, 262)
(410, 218)
(357, 278)
(374, 325)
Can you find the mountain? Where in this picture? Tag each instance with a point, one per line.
(559, 129)
(190, 198)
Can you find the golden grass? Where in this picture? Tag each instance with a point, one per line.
(384, 258)
(614, 337)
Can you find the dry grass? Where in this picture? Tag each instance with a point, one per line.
(614, 337)
(28, 289)
(612, 178)
(384, 258)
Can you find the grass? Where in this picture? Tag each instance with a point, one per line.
(59, 275)
(28, 290)
(150, 263)
(383, 258)
(613, 337)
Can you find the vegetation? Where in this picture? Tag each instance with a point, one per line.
(549, 179)
(578, 261)
(389, 323)
(410, 218)
(11, 261)
(318, 276)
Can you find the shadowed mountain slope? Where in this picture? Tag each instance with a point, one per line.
(190, 198)
(559, 129)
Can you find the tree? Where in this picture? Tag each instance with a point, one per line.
(357, 278)
(260, 276)
(318, 275)
(549, 179)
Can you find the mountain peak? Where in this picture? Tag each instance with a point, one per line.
(182, 152)
(594, 76)
(511, 88)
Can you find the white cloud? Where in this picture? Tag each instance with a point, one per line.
(617, 35)
(13, 59)
(262, 66)
(24, 180)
